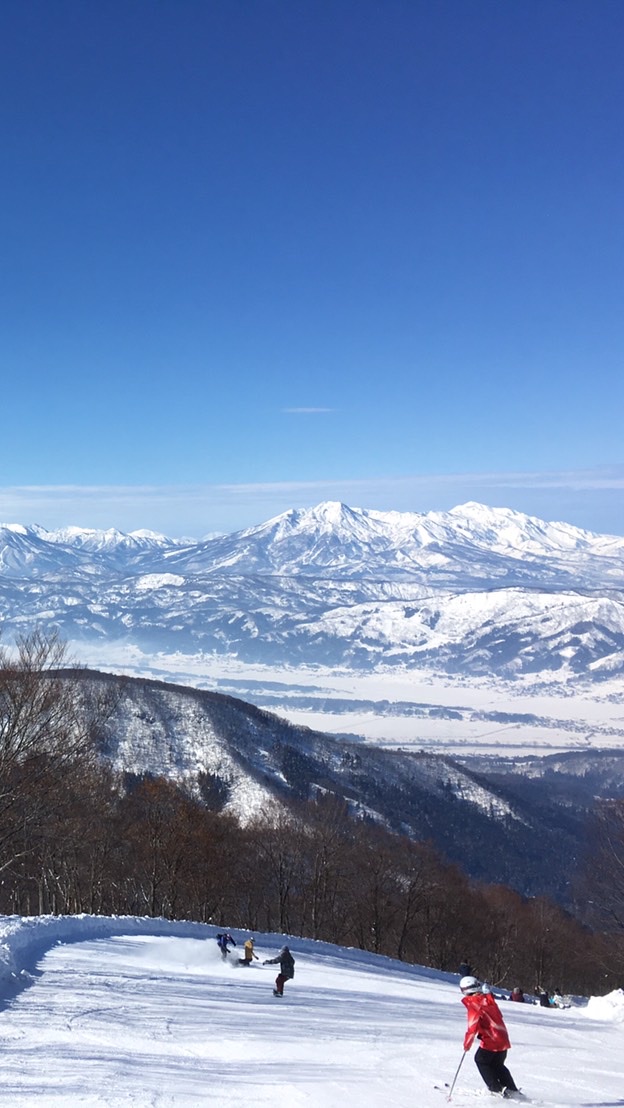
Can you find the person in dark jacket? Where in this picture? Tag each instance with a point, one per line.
(223, 939)
(287, 969)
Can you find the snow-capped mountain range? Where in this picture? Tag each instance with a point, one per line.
(475, 590)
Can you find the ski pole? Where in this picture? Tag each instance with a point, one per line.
(456, 1075)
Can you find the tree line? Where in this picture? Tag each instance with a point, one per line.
(76, 837)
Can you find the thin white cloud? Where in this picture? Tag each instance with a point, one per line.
(590, 498)
(307, 411)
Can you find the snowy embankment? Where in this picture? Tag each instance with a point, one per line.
(108, 1012)
(25, 939)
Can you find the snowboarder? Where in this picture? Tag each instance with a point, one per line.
(223, 938)
(543, 997)
(486, 1023)
(287, 969)
(558, 1000)
(248, 953)
(517, 994)
(465, 969)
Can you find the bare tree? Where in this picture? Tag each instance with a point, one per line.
(329, 828)
(603, 879)
(280, 845)
(47, 725)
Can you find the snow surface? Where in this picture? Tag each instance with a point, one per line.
(127, 1011)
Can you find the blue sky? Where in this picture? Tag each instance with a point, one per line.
(258, 254)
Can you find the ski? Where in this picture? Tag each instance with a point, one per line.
(511, 1096)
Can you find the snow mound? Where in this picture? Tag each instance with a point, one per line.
(609, 1007)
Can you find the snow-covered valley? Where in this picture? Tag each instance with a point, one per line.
(399, 709)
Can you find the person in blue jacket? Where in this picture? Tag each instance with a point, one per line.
(223, 938)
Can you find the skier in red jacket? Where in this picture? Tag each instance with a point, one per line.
(485, 1022)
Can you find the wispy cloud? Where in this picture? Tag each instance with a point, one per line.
(307, 411)
(591, 498)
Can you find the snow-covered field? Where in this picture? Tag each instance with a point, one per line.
(119, 1012)
(409, 709)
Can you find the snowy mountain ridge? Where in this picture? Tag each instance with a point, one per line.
(475, 590)
(301, 538)
(521, 824)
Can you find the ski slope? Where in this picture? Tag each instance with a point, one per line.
(144, 1013)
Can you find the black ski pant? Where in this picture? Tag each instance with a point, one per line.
(491, 1066)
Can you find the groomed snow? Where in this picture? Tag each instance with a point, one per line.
(126, 1011)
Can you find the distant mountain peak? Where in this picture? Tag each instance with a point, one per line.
(15, 528)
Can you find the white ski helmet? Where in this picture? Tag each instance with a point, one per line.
(470, 985)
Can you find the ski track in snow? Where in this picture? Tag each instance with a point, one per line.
(137, 1012)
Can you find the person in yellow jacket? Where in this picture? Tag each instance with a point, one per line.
(248, 953)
